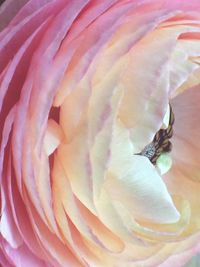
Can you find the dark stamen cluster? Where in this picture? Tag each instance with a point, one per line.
(160, 142)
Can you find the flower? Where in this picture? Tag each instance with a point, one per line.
(99, 106)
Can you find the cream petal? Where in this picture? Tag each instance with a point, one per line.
(75, 104)
(134, 181)
(90, 232)
(109, 216)
(166, 118)
(109, 240)
(147, 89)
(150, 232)
(77, 166)
(73, 109)
(53, 137)
(181, 65)
(68, 216)
(143, 192)
(192, 81)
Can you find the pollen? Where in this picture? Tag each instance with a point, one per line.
(149, 151)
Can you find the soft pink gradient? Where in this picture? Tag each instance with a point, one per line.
(84, 85)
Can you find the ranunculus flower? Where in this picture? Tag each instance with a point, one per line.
(100, 132)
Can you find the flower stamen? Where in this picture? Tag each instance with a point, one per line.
(160, 143)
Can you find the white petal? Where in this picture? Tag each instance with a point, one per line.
(52, 137)
(135, 182)
(166, 118)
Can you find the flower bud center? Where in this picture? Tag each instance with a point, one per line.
(161, 141)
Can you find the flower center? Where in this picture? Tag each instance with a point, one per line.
(160, 143)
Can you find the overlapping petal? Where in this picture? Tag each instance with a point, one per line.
(84, 87)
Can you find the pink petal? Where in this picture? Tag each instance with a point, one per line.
(8, 10)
